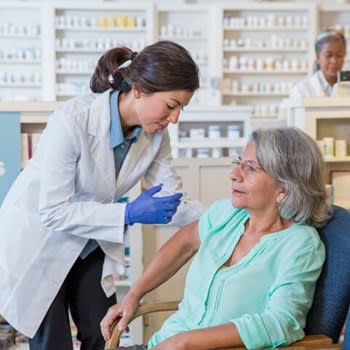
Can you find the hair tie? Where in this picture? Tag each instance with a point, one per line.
(125, 64)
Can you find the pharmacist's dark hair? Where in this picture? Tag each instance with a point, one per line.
(294, 161)
(325, 36)
(162, 66)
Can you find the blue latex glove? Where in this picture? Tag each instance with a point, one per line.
(146, 209)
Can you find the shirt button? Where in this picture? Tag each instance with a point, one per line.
(122, 146)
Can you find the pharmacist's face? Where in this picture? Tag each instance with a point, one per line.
(252, 188)
(156, 110)
(331, 58)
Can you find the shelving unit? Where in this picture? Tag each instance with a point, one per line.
(192, 27)
(265, 51)
(20, 52)
(204, 131)
(338, 16)
(328, 117)
(84, 31)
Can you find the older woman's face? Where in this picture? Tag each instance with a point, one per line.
(252, 187)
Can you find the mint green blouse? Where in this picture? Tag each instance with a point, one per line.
(266, 295)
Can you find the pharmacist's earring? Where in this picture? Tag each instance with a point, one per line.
(136, 92)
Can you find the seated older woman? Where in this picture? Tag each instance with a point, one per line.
(257, 255)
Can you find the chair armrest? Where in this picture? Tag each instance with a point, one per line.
(141, 310)
(307, 341)
(318, 339)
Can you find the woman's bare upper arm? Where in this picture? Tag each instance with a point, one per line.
(189, 236)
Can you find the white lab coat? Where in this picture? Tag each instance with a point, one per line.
(64, 197)
(314, 86)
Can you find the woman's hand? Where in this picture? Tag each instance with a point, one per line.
(123, 311)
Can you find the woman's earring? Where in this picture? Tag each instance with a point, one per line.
(279, 198)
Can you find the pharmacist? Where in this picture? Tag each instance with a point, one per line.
(61, 227)
(330, 49)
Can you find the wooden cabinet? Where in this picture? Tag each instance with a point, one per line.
(206, 180)
(210, 131)
(17, 119)
(329, 117)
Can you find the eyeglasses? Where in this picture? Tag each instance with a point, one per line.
(248, 167)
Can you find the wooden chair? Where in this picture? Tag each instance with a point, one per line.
(332, 297)
(173, 306)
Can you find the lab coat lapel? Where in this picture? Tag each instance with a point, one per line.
(99, 123)
(134, 165)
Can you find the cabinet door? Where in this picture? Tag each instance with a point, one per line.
(9, 150)
(205, 179)
(214, 182)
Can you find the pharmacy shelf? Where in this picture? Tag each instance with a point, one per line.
(266, 38)
(73, 50)
(265, 72)
(251, 94)
(210, 143)
(92, 29)
(265, 49)
(330, 159)
(205, 117)
(267, 29)
(21, 62)
(73, 73)
(190, 26)
(103, 30)
(20, 36)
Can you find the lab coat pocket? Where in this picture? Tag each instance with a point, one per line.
(21, 236)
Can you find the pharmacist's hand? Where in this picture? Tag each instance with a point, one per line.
(122, 313)
(146, 209)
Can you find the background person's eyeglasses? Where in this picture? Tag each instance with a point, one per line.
(248, 167)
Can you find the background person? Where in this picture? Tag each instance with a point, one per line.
(61, 231)
(260, 252)
(330, 49)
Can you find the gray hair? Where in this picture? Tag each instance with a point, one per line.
(325, 36)
(294, 160)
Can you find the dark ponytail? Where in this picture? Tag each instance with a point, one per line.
(163, 66)
(107, 74)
